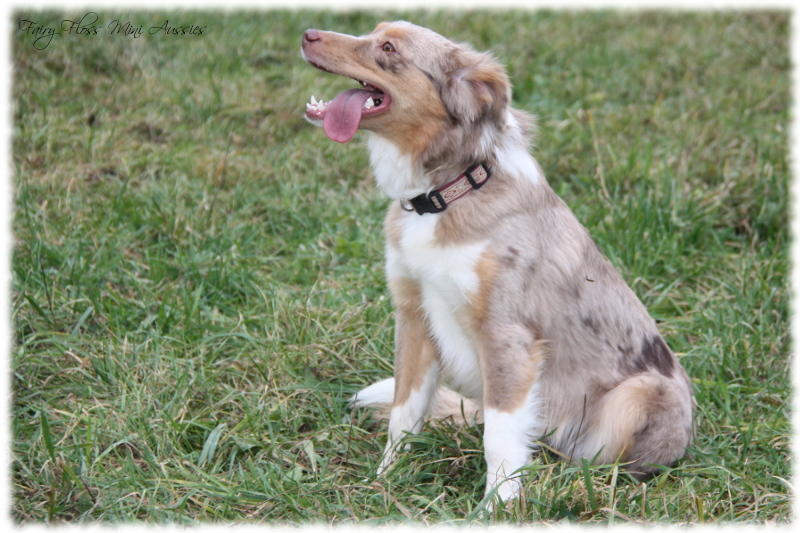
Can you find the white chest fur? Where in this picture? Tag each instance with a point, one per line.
(447, 278)
(397, 175)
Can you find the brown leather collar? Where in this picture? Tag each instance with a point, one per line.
(438, 200)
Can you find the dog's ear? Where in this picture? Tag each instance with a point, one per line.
(477, 86)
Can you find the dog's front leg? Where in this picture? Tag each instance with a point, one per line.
(510, 365)
(416, 367)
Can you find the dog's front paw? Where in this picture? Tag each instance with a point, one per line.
(504, 488)
(500, 493)
(387, 461)
(389, 455)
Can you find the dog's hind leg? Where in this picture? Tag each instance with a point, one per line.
(643, 422)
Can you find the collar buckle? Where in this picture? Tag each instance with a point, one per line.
(437, 200)
(429, 203)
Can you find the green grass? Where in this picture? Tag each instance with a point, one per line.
(198, 273)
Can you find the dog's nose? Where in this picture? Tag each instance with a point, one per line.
(311, 35)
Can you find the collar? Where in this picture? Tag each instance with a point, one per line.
(438, 200)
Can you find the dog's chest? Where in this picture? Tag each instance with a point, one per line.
(447, 277)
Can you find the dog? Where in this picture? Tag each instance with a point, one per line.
(507, 312)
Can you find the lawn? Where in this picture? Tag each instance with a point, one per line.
(198, 278)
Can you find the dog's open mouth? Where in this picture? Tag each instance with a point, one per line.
(342, 116)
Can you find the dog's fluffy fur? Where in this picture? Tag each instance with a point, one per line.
(504, 296)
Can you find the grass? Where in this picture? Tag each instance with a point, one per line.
(198, 276)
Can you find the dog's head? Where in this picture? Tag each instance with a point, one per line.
(415, 86)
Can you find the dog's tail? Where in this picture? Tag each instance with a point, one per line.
(446, 403)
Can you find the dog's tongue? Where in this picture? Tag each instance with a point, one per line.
(343, 114)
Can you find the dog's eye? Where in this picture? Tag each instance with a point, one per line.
(387, 47)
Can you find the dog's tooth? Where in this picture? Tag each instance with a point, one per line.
(369, 103)
(313, 100)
